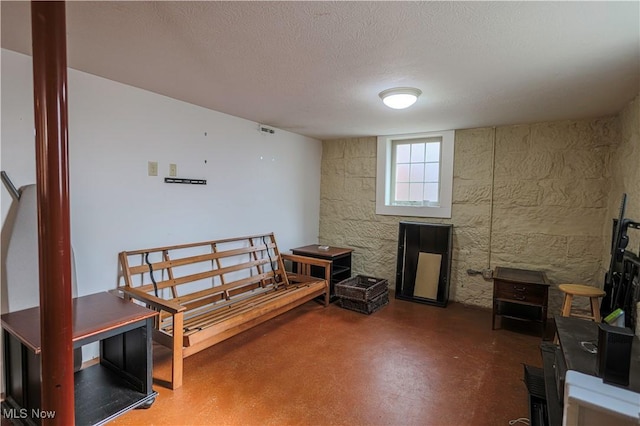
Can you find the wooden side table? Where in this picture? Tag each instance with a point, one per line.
(520, 294)
(340, 258)
(120, 382)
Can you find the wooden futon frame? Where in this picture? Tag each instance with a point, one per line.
(207, 292)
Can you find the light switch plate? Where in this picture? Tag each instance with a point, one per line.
(153, 168)
(173, 170)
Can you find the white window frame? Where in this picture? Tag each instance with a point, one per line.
(384, 177)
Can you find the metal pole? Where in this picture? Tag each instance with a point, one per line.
(48, 30)
(15, 193)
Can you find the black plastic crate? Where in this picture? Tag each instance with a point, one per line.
(361, 288)
(368, 307)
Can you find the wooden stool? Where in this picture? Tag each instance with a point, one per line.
(592, 293)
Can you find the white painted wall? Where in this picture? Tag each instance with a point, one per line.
(255, 182)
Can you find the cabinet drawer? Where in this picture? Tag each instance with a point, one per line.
(520, 292)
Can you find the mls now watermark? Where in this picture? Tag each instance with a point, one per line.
(23, 413)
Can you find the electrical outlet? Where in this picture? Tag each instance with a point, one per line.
(153, 168)
(173, 170)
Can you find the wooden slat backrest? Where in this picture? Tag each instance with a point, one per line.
(214, 249)
(165, 256)
(251, 262)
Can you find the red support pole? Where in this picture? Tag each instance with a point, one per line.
(48, 30)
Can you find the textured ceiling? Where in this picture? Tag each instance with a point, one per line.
(316, 68)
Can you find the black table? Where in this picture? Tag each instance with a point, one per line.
(570, 355)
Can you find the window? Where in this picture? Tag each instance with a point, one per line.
(415, 174)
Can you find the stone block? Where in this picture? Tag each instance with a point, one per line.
(607, 130)
(332, 187)
(557, 135)
(469, 257)
(472, 158)
(525, 193)
(513, 138)
(527, 165)
(361, 147)
(333, 167)
(366, 243)
(583, 164)
(578, 271)
(473, 290)
(360, 167)
(471, 191)
(329, 229)
(363, 229)
(356, 210)
(471, 238)
(503, 243)
(546, 248)
(328, 210)
(463, 215)
(360, 189)
(629, 122)
(379, 263)
(332, 149)
(507, 259)
(474, 140)
(550, 220)
(574, 193)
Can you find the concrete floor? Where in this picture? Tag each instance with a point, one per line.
(407, 364)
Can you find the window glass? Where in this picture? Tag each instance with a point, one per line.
(415, 174)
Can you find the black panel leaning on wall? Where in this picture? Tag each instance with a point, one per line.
(423, 270)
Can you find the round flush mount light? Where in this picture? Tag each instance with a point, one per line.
(400, 97)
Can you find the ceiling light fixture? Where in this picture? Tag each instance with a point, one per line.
(400, 97)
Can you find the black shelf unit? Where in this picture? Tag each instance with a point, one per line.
(415, 238)
(116, 393)
(341, 272)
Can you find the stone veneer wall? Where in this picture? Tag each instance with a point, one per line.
(625, 171)
(550, 200)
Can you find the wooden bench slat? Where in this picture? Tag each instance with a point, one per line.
(203, 316)
(181, 261)
(217, 315)
(216, 297)
(193, 347)
(229, 286)
(201, 243)
(223, 313)
(227, 304)
(213, 316)
(203, 275)
(251, 312)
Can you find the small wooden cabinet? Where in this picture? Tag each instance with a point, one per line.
(121, 381)
(340, 262)
(520, 294)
